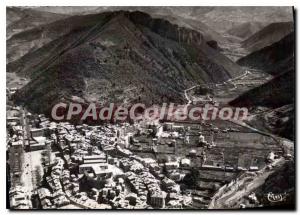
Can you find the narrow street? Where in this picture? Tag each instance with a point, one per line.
(32, 159)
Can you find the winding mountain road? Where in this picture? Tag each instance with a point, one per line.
(225, 82)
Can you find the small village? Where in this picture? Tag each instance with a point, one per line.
(160, 165)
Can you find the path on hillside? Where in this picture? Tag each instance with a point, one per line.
(189, 101)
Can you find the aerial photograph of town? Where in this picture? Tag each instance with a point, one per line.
(150, 108)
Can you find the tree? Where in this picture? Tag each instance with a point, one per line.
(191, 178)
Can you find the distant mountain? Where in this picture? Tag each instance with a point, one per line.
(219, 18)
(118, 57)
(182, 16)
(268, 35)
(21, 40)
(20, 20)
(274, 59)
(225, 18)
(246, 29)
(31, 40)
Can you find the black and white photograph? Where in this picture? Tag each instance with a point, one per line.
(150, 108)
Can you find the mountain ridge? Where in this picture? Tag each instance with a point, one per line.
(274, 59)
(268, 35)
(170, 58)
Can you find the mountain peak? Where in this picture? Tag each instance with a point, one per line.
(107, 54)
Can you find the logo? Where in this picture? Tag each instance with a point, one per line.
(92, 111)
(276, 197)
